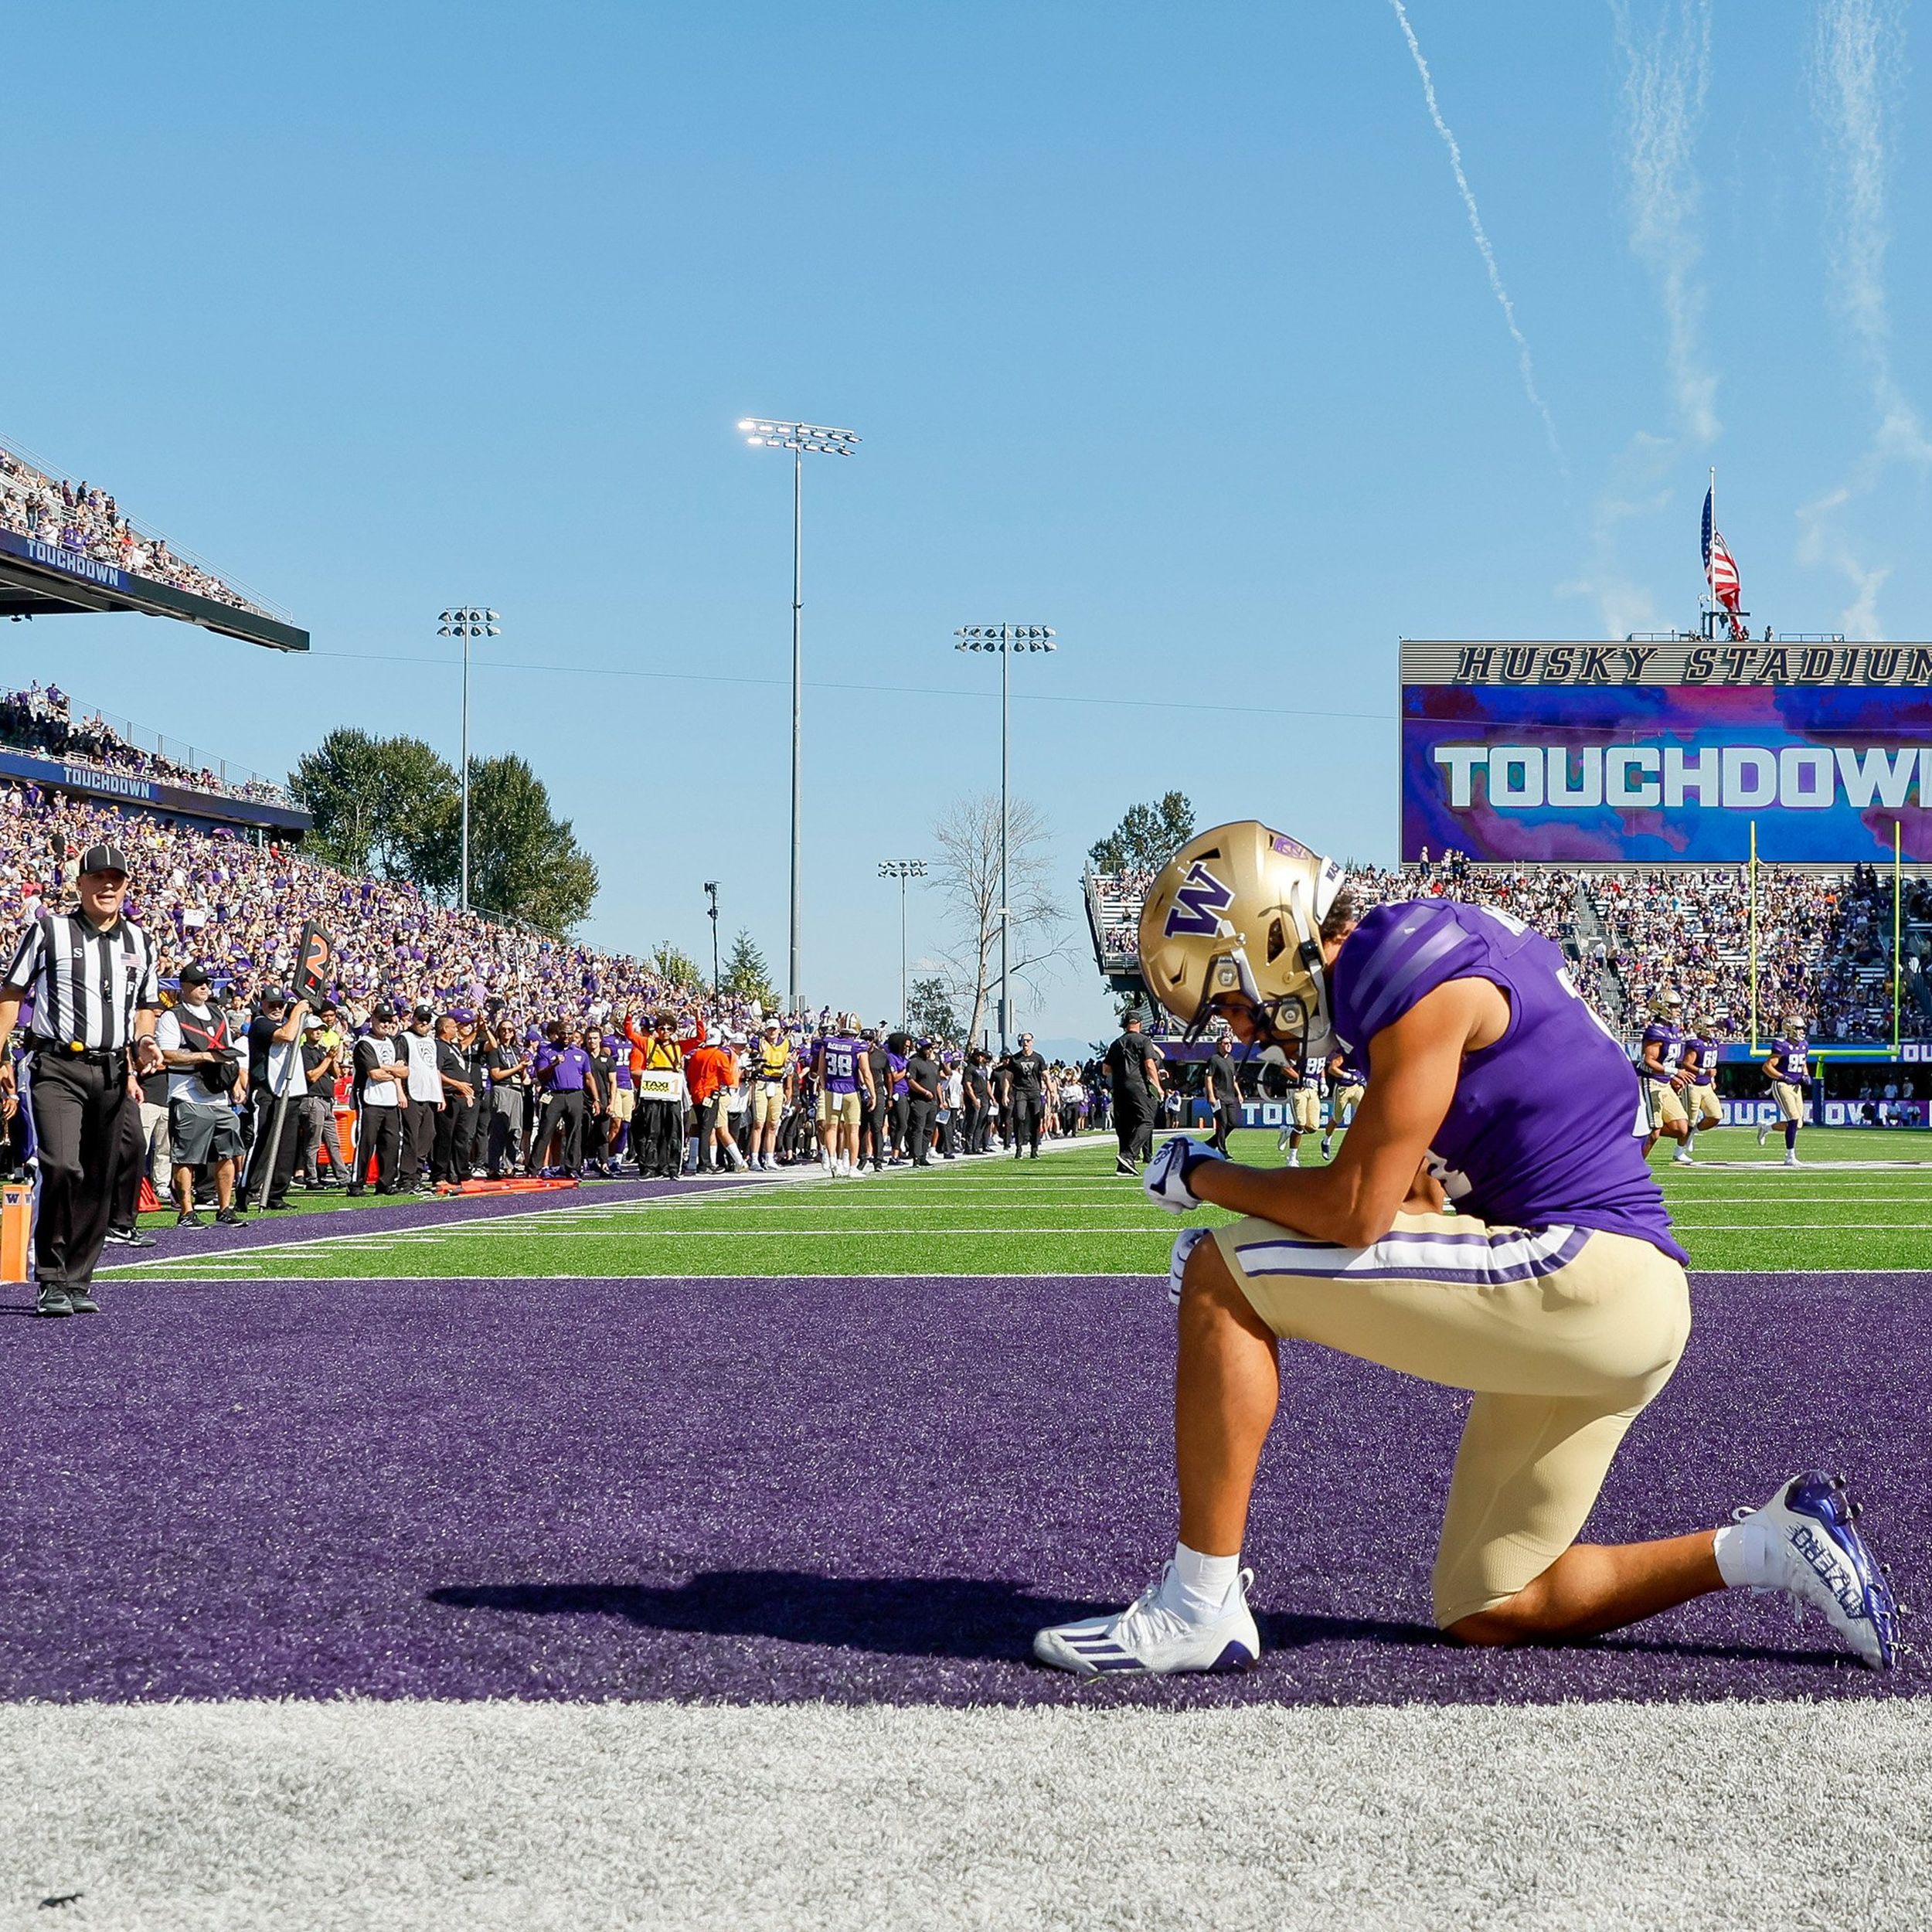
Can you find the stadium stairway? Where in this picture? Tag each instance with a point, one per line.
(1593, 944)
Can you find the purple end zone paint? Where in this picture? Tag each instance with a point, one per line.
(862, 1490)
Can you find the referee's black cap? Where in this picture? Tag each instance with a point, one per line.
(104, 858)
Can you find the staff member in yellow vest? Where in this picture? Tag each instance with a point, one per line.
(90, 975)
(774, 1079)
(657, 1070)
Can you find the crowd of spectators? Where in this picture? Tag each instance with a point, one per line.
(41, 719)
(83, 518)
(238, 908)
(1824, 946)
(1824, 938)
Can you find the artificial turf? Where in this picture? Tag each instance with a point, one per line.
(1069, 1214)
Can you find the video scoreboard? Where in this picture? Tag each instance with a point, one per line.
(1667, 753)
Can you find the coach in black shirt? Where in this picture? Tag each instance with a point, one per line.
(91, 973)
(1027, 1070)
(923, 1078)
(1222, 1087)
(1133, 1070)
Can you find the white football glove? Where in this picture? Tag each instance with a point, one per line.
(1166, 1174)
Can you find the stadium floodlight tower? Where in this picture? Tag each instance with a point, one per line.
(903, 869)
(466, 621)
(1005, 638)
(803, 440)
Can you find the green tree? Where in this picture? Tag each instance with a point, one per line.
(1148, 836)
(525, 862)
(380, 804)
(676, 967)
(930, 1011)
(747, 974)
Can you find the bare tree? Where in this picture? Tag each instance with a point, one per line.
(966, 874)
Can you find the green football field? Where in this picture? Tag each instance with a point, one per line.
(1848, 1208)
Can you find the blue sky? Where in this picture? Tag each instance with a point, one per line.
(1165, 327)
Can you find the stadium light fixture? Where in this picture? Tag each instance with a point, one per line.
(903, 869)
(803, 440)
(466, 620)
(1005, 638)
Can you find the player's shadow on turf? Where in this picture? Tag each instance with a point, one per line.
(965, 1617)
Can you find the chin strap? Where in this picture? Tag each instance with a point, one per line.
(1320, 1026)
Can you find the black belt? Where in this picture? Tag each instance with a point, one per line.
(74, 1050)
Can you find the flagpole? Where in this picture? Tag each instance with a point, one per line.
(1710, 561)
(1754, 903)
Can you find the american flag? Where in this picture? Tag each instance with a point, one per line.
(1720, 568)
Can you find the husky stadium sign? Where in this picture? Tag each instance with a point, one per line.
(1667, 753)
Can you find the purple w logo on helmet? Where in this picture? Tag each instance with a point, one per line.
(1199, 901)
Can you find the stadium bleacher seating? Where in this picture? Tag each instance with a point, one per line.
(239, 907)
(40, 719)
(83, 518)
(1823, 938)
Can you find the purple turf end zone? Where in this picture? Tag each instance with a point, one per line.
(864, 1491)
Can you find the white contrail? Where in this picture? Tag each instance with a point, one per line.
(1476, 229)
(1858, 51)
(1664, 84)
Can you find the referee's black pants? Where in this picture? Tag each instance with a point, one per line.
(78, 1107)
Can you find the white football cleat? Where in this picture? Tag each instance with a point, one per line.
(1148, 1639)
(1818, 1557)
(1791, 1159)
(1681, 1158)
(1764, 1134)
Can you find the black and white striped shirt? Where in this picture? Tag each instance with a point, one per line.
(85, 986)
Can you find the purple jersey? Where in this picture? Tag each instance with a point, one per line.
(839, 1063)
(1669, 1041)
(1705, 1051)
(1795, 1056)
(1542, 1131)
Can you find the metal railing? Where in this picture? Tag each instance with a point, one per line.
(52, 474)
(175, 751)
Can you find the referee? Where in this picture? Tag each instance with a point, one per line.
(90, 975)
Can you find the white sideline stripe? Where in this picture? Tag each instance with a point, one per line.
(313, 1817)
(1775, 1165)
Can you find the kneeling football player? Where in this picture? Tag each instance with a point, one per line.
(1555, 1291)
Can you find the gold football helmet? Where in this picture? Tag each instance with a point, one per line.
(1237, 912)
